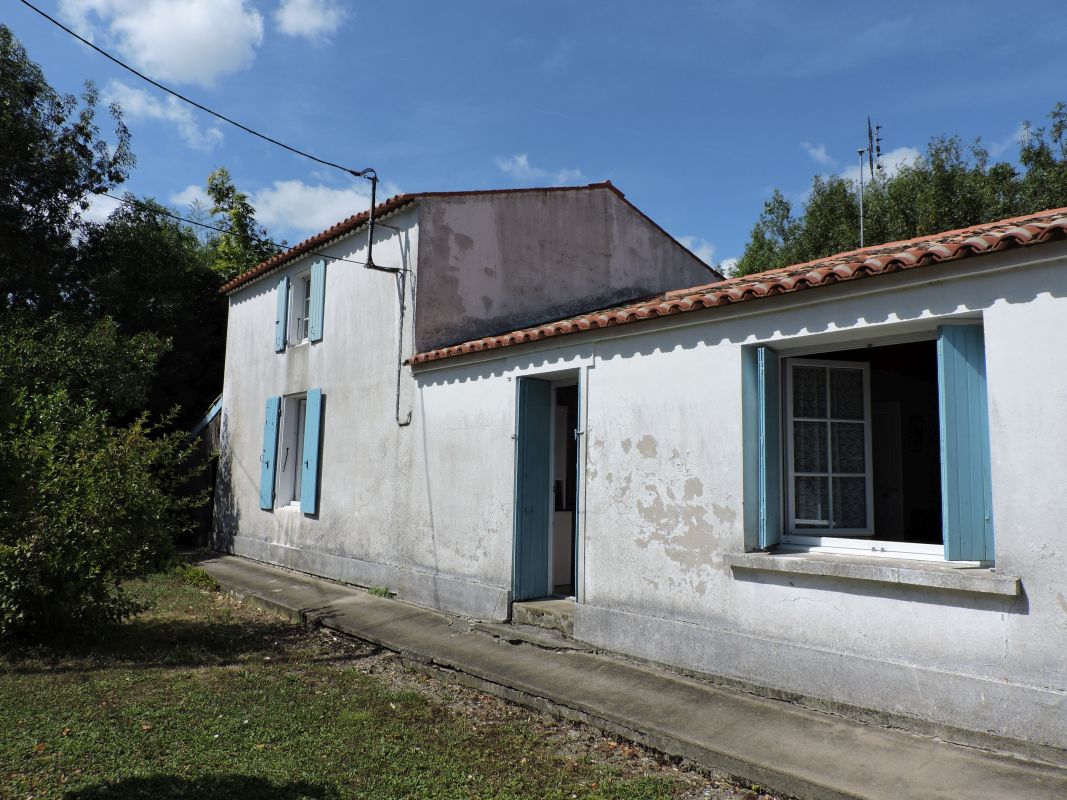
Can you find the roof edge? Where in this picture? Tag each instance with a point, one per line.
(948, 246)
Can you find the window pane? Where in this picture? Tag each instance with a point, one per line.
(846, 394)
(812, 507)
(809, 447)
(809, 392)
(850, 502)
(848, 447)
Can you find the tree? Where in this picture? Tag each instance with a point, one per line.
(151, 274)
(245, 243)
(947, 187)
(52, 161)
(88, 504)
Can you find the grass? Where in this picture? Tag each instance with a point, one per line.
(204, 698)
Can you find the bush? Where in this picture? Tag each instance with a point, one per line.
(87, 506)
(194, 576)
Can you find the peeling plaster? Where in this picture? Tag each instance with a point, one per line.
(646, 446)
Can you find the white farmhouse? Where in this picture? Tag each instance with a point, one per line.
(839, 483)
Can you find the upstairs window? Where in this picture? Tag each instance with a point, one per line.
(300, 308)
(301, 304)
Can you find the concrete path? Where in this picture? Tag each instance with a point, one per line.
(776, 744)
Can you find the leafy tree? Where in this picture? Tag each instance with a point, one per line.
(245, 243)
(91, 361)
(151, 274)
(88, 504)
(92, 505)
(950, 186)
(52, 160)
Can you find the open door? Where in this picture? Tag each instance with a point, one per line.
(533, 474)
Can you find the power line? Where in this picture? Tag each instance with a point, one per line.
(280, 247)
(367, 173)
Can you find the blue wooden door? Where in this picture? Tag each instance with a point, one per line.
(532, 488)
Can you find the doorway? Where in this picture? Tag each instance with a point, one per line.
(546, 491)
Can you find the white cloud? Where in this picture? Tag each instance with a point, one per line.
(728, 266)
(140, 104)
(817, 152)
(519, 167)
(309, 18)
(1017, 137)
(100, 208)
(192, 195)
(701, 248)
(184, 41)
(297, 207)
(891, 161)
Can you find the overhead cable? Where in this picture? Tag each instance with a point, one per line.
(367, 173)
(130, 201)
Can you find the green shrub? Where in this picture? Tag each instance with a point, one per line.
(88, 506)
(196, 577)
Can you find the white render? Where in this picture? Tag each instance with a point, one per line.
(426, 508)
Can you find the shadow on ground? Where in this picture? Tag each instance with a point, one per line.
(210, 787)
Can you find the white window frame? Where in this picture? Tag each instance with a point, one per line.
(792, 531)
(299, 323)
(290, 451)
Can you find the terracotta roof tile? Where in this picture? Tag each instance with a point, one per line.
(921, 252)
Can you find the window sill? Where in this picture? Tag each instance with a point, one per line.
(977, 580)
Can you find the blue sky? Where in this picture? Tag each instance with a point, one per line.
(695, 110)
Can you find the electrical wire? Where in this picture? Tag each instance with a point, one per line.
(280, 247)
(367, 173)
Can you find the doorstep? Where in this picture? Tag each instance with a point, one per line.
(785, 747)
(555, 613)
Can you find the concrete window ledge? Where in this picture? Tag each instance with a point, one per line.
(977, 580)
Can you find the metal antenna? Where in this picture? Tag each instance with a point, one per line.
(860, 153)
(870, 146)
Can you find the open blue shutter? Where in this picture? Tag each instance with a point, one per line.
(281, 315)
(770, 448)
(270, 452)
(318, 300)
(309, 476)
(761, 441)
(966, 479)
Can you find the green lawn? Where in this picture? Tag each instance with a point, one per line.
(201, 697)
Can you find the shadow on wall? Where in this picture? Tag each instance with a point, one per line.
(891, 591)
(210, 787)
(227, 514)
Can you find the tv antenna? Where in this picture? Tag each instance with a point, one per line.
(873, 151)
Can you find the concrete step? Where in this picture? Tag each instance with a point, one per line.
(787, 748)
(535, 635)
(553, 613)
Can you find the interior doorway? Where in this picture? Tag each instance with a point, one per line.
(546, 512)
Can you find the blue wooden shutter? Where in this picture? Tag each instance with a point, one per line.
(532, 489)
(309, 477)
(281, 316)
(270, 452)
(770, 450)
(762, 441)
(966, 479)
(318, 300)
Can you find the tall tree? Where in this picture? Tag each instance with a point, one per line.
(949, 186)
(245, 243)
(52, 161)
(151, 273)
